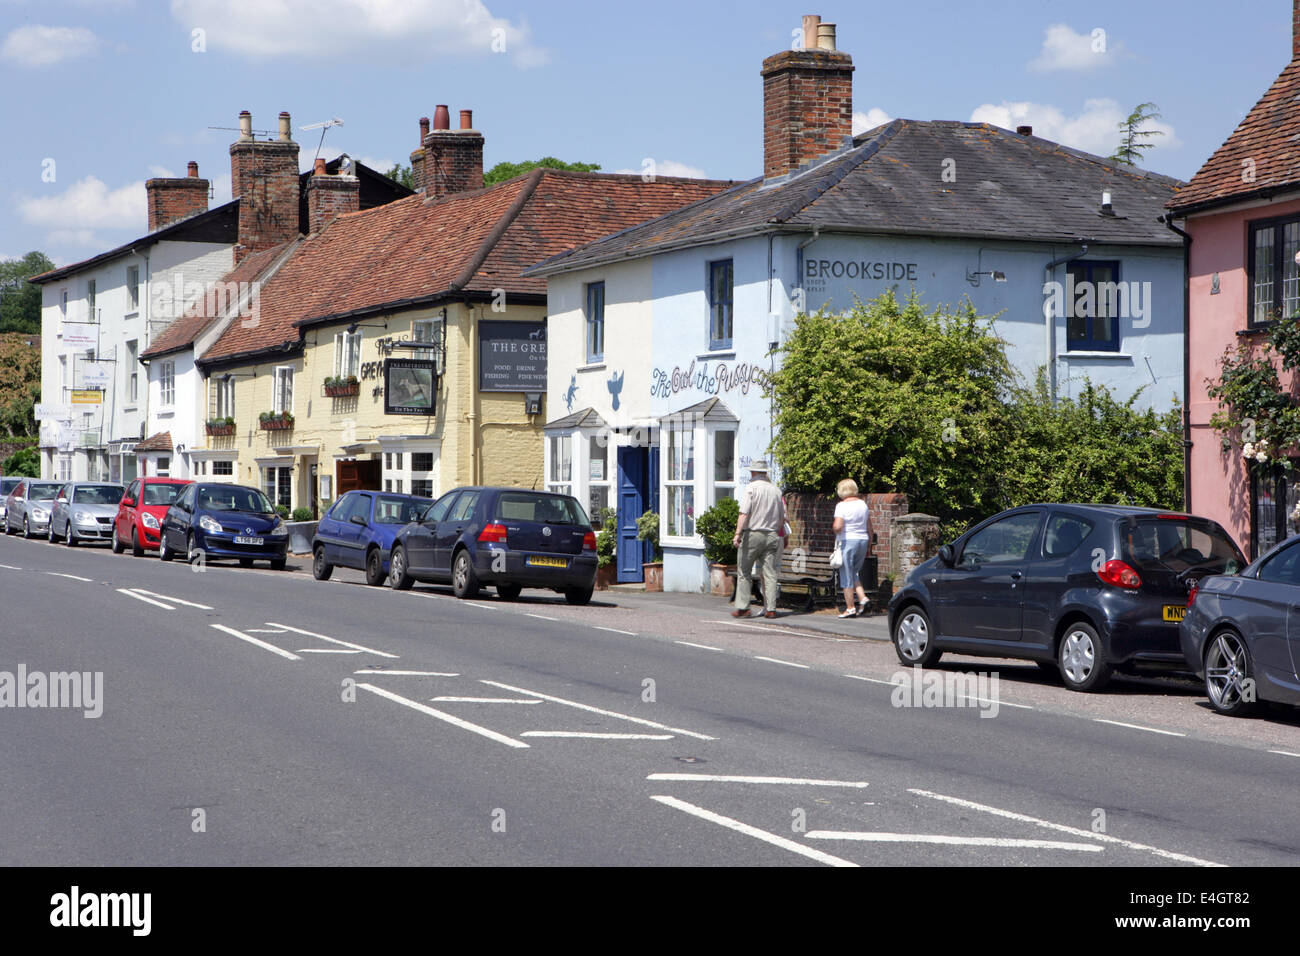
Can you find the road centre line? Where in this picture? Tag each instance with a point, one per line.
(894, 683)
(333, 640)
(615, 630)
(141, 597)
(405, 673)
(1284, 753)
(75, 577)
(773, 660)
(439, 715)
(1150, 730)
(1062, 828)
(767, 627)
(594, 736)
(482, 700)
(882, 837)
(256, 642)
(174, 600)
(703, 647)
(754, 832)
(597, 710)
(738, 778)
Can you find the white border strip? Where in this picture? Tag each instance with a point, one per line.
(773, 660)
(174, 600)
(405, 673)
(141, 597)
(597, 710)
(333, 640)
(1150, 730)
(754, 832)
(736, 778)
(881, 837)
(439, 715)
(585, 735)
(254, 641)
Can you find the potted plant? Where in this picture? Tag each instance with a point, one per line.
(342, 385)
(718, 528)
(275, 421)
(647, 529)
(220, 426)
(606, 549)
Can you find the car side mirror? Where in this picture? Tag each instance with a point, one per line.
(128, 502)
(947, 555)
(358, 519)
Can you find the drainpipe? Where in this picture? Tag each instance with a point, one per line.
(1049, 321)
(1187, 360)
(473, 415)
(798, 261)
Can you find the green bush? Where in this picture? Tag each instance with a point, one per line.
(301, 514)
(26, 462)
(718, 527)
(282, 511)
(647, 529)
(606, 537)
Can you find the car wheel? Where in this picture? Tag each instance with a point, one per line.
(117, 545)
(1228, 680)
(277, 564)
(397, 576)
(136, 550)
(49, 533)
(245, 562)
(1079, 657)
(914, 638)
(464, 582)
(164, 552)
(374, 568)
(27, 528)
(509, 592)
(70, 536)
(320, 568)
(192, 554)
(578, 595)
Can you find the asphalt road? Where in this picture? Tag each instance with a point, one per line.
(254, 717)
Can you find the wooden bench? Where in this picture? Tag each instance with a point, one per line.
(808, 574)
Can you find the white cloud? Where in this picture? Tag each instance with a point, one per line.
(668, 167)
(1063, 49)
(161, 172)
(869, 120)
(87, 205)
(390, 29)
(1095, 129)
(42, 46)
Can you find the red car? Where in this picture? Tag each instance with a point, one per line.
(139, 516)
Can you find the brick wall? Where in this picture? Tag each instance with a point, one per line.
(264, 176)
(453, 162)
(173, 199)
(807, 107)
(329, 197)
(812, 515)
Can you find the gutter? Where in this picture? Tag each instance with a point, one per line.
(1168, 220)
(1049, 321)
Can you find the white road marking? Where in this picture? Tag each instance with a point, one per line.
(594, 736)
(486, 607)
(736, 778)
(876, 680)
(541, 616)
(1062, 828)
(406, 673)
(439, 715)
(141, 597)
(326, 650)
(1150, 730)
(483, 700)
(764, 627)
(267, 630)
(703, 647)
(1284, 753)
(881, 837)
(174, 600)
(773, 660)
(333, 640)
(75, 577)
(10, 567)
(597, 710)
(754, 832)
(255, 641)
(615, 630)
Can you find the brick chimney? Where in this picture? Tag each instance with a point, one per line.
(807, 100)
(1295, 29)
(417, 158)
(453, 159)
(330, 196)
(174, 199)
(264, 178)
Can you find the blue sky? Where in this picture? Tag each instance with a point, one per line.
(116, 91)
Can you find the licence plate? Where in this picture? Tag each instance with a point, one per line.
(1174, 612)
(255, 542)
(536, 562)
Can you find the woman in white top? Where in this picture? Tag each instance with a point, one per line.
(854, 536)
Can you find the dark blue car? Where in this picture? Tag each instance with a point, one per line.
(510, 538)
(224, 521)
(358, 532)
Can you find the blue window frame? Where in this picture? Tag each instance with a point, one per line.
(595, 322)
(720, 304)
(1093, 323)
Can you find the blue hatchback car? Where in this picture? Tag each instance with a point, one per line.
(358, 532)
(224, 521)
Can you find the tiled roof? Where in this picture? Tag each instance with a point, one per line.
(1004, 186)
(413, 250)
(183, 331)
(159, 442)
(1264, 145)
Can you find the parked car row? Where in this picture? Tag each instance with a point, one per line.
(1087, 590)
(506, 538)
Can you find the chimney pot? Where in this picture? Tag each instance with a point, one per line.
(1025, 130)
(441, 117)
(320, 167)
(424, 128)
(807, 102)
(466, 119)
(285, 136)
(810, 22)
(192, 171)
(245, 126)
(826, 36)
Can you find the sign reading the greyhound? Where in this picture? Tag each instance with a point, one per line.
(511, 356)
(410, 387)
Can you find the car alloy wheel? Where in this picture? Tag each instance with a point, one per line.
(374, 568)
(913, 640)
(463, 579)
(397, 575)
(70, 536)
(1079, 657)
(1228, 682)
(27, 528)
(164, 552)
(49, 533)
(320, 568)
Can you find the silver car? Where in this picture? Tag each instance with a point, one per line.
(84, 511)
(27, 509)
(6, 485)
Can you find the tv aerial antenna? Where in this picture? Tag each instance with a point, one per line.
(322, 127)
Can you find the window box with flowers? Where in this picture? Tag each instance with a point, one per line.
(275, 421)
(342, 386)
(220, 426)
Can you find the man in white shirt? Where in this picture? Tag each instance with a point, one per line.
(757, 540)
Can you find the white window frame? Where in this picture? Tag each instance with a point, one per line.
(92, 297)
(667, 431)
(282, 385)
(167, 384)
(132, 288)
(347, 354)
(559, 452)
(591, 440)
(223, 397)
(706, 490)
(223, 461)
(719, 485)
(132, 372)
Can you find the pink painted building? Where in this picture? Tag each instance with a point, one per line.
(1242, 214)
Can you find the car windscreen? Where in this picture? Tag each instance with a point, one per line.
(392, 510)
(234, 499)
(162, 494)
(97, 494)
(1178, 545)
(541, 508)
(42, 492)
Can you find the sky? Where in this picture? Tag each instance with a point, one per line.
(96, 96)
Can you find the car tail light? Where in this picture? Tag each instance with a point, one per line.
(1120, 574)
(493, 533)
(1191, 594)
(1172, 517)
(589, 541)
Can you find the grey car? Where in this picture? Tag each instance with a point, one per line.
(27, 509)
(84, 511)
(6, 485)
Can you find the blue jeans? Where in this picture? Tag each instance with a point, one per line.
(855, 554)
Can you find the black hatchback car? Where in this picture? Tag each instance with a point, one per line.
(1080, 588)
(511, 538)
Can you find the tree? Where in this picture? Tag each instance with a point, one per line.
(403, 175)
(503, 171)
(1132, 136)
(20, 301)
(20, 384)
(25, 463)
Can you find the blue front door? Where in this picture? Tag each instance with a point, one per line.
(633, 493)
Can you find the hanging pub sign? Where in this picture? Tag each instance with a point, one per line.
(511, 356)
(410, 387)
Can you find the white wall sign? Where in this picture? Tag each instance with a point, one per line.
(80, 335)
(53, 413)
(96, 375)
